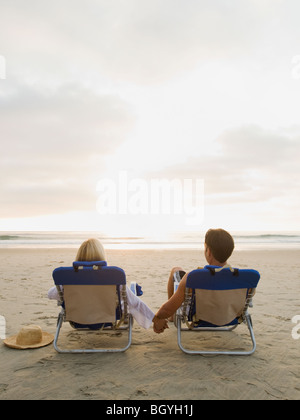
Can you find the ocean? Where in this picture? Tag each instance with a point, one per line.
(243, 240)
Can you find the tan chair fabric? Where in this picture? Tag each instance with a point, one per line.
(90, 304)
(219, 307)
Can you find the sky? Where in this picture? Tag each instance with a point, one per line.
(100, 100)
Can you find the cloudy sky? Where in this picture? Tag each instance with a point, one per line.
(154, 89)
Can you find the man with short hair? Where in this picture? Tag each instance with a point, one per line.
(218, 247)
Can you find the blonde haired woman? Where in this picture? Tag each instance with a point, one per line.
(92, 250)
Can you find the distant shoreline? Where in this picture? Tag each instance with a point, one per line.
(190, 241)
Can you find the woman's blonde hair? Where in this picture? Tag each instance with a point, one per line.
(91, 250)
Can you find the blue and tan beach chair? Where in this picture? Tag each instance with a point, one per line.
(92, 297)
(217, 299)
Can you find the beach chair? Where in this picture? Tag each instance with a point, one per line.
(92, 298)
(217, 299)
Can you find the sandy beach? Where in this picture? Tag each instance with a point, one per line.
(154, 368)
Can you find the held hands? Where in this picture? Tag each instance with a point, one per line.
(159, 325)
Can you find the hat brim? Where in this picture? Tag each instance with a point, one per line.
(46, 340)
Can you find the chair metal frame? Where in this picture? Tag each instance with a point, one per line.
(182, 316)
(95, 268)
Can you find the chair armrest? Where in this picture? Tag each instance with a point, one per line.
(133, 287)
(136, 288)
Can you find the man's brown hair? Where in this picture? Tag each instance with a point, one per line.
(220, 243)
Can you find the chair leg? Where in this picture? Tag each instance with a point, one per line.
(217, 352)
(59, 324)
(250, 327)
(112, 350)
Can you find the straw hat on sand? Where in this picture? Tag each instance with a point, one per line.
(29, 337)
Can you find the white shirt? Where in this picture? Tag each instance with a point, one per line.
(138, 309)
